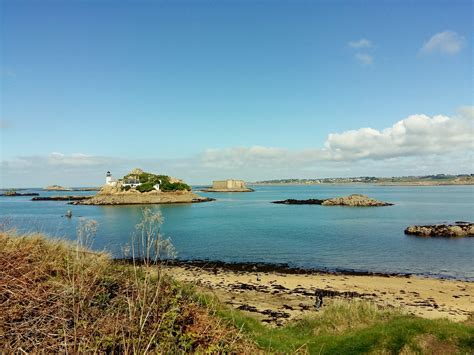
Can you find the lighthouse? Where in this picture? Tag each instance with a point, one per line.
(108, 178)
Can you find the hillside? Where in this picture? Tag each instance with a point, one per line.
(427, 180)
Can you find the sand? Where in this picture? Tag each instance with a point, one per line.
(276, 298)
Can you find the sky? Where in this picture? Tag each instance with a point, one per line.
(205, 90)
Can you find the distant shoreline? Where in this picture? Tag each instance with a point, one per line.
(470, 183)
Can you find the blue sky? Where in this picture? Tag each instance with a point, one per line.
(207, 89)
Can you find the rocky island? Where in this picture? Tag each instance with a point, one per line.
(459, 229)
(60, 198)
(139, 187)
(56, 188)
(355, 200)
(229, 185)
(12, 193)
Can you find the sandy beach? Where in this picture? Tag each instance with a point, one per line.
(276, 298)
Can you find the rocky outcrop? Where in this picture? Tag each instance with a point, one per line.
(172, 190)
(56, 188)
(109, 196)
(61, 198)
(355, 200)
(311, 201)
(459, 229)
(14, 194)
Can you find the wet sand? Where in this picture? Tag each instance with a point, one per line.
(277, 297)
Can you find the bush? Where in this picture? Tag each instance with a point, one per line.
(146, 187)
(175, 186)
(64, 298)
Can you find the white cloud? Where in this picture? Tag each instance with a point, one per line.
(364, 58)
(417, 135)
(447, 42)
(418, 144)
(73, 160)
(361, 43)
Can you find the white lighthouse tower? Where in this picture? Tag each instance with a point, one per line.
(108, 178)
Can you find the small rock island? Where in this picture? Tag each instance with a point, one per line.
(13, 193)
(459, 229)
(229, 185)
(60, 198)
(56, 188)
(354, 200)
(139, 187)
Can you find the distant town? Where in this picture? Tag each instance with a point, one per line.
(438, 179)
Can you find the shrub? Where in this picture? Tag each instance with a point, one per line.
(148, 180)
(175, 186)
(63, 298)
(146, 187)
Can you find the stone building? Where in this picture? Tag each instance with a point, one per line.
(228, 184)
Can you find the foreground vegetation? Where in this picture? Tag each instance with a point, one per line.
(356, 327)
(56, 296)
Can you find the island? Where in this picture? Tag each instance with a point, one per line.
(354, 200)
(56, 188)
(61, 198)
(13, 193)
(458, 229)
(229, 185)
(139, 187)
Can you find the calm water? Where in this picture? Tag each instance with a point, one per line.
(247, 227)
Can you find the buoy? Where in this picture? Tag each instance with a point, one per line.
(69, 214)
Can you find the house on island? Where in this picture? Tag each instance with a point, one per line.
(129, 182)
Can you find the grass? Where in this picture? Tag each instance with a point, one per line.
(59, 297)
(354, 327)
(56, 297)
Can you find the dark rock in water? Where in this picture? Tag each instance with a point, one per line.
(355, 200)
(61, 198)
(14, 194)
(311, 201)
(460, 229)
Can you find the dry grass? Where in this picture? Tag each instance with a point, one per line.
(56, 297)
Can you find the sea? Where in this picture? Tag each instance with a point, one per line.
(247, 227)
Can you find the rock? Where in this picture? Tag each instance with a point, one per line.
(352, 201)
(56, 188)
(136, 171)
(133, 197)
(61, 198)
(355, 200)
(311, 201)
(464, 229)
(14, 194)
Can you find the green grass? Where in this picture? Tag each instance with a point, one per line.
(353, 327)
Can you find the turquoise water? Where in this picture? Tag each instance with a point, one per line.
(246, 227)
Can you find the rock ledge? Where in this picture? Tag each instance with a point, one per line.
(459, 229)
(355, 200)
